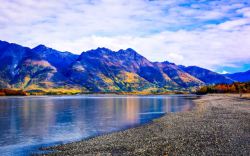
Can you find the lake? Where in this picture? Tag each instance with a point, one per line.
(27, 123)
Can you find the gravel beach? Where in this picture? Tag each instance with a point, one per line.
(218, 125)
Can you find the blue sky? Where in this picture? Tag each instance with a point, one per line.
(214, 34)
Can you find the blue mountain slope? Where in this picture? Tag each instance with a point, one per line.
(240, 77)
(205, 75)
(60, 60)
(21, 67)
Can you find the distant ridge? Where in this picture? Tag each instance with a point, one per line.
(97, 70)
(240, 77)
(207, 76)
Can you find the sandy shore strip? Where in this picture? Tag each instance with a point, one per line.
(219, 125)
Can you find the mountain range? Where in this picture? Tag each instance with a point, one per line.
(99, 70)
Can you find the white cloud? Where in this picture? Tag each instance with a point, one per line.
(244, 11)
(234, 24)
(224, 72)
(204, 33)
(209, 48)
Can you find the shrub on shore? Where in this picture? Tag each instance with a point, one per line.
(12, 92)
(236, 87)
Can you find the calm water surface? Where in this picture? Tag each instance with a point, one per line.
(27, 123)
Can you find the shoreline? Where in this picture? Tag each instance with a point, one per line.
(219, 124)
(75, 91)
(96, 93)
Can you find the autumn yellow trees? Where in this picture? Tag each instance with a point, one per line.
(226, 88)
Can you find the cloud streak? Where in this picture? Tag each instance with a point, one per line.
(204, 33)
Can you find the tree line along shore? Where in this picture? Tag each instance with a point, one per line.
(236, 87)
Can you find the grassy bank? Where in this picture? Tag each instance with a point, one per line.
(219, 125)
